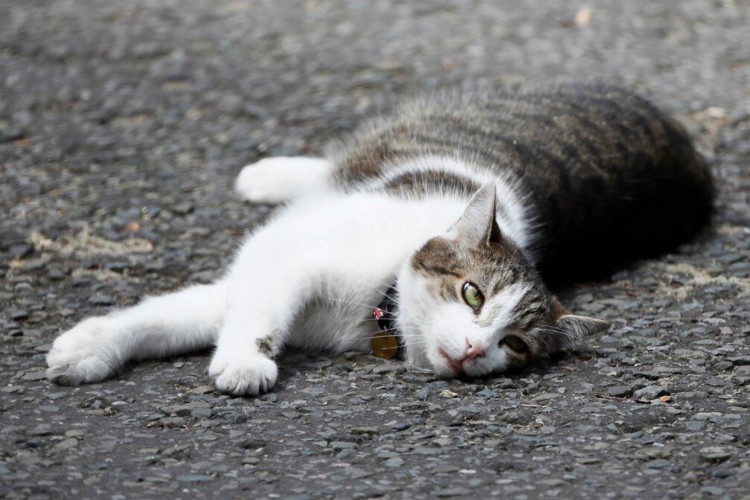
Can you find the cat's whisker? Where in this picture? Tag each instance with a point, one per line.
(352, 302)
(417, 368)
(396, 348)
(550, 330)
(345, 301)
(388, 286)
(409, 344)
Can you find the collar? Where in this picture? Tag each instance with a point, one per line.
(387, 343)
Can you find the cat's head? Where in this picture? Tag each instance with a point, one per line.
(470, 302)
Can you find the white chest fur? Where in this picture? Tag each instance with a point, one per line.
(350, 247)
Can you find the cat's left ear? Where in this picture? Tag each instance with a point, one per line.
(477, 225)
(574, 328)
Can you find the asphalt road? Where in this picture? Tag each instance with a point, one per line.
(122, 127)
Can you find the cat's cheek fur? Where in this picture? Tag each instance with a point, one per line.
(454, 331)
(414, 302)
(437, 332)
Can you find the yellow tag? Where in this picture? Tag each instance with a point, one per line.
(384, 345)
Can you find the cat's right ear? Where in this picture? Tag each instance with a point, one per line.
(477, 225)
(573, 329)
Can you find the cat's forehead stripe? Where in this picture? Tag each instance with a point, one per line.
(500, 277)
(500, 309)
(533, 306)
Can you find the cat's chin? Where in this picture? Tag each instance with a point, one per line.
(440, 363)
(446, 368)
(418, 359)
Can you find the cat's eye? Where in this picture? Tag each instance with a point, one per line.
(515, 343)
(472, 296)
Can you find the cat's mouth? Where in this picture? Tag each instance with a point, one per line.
(455, 367)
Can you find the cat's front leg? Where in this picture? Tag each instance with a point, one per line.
(282, 178)
(323, 250)
(267, 291)
(242, 363)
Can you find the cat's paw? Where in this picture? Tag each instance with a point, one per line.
(248, 375)
(280, 179)
(81, 355)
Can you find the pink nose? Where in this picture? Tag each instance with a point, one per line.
(472, 352)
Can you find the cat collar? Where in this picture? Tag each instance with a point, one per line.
(386, 343)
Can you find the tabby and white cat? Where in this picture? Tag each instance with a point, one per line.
(448, 216)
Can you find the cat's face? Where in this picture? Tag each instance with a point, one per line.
(470, 302)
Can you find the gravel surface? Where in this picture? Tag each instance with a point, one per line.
(122, 127)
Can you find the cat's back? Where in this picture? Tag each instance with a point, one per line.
(606, 175)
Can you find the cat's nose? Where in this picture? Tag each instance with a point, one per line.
(472, 352)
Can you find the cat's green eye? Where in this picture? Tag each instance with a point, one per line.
(472, 296)
(515, 343)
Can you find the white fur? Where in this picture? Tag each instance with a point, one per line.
(162, 326)
(280, 179)
(498, 311)
(310, 278)
(339, 252)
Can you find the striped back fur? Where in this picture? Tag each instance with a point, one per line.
(604, 176)
(586, 177)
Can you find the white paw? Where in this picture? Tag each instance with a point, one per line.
(82, 354)
(243, 375)
(280, 179)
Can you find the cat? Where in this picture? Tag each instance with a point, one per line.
(431, 236)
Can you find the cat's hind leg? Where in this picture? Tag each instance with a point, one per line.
(281, 179)
(98, 347)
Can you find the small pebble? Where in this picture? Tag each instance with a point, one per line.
(650, 392)
(715, 453)
(620, 391)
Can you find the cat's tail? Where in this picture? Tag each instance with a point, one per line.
(158, 327)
